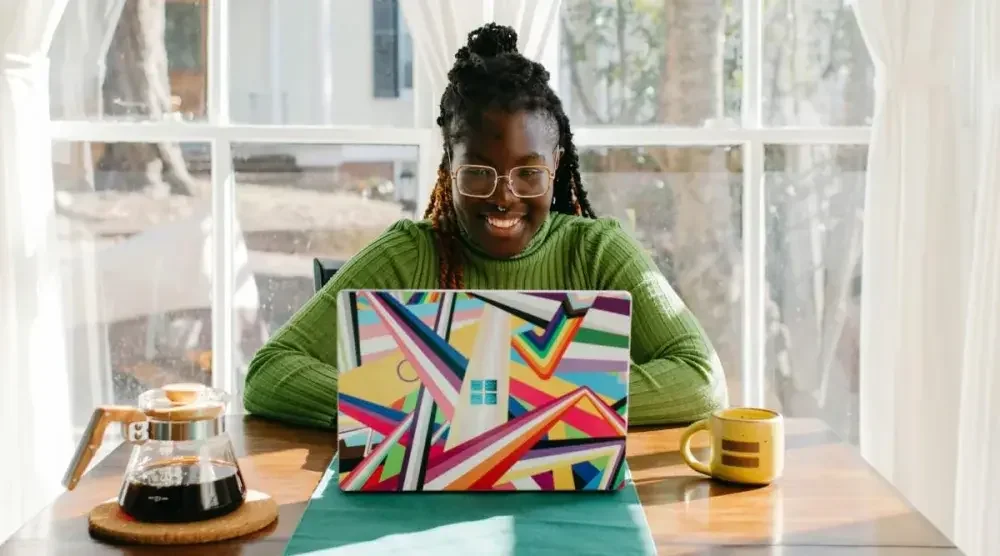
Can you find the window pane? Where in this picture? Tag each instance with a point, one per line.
(683, 205)
(386, 48)
(298, 202)
(319, 63)
(644, 62)
(134, 60)
(815, 201)
(384, 14)
(182, 36)
(816, 67)
(386, 68)
(137, 264)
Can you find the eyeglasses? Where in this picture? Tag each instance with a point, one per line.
(524, 182)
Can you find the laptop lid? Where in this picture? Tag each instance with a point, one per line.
(482, 390)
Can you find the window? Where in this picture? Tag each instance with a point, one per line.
(730, 137)
(679, 110)
(323, 62)
(815, 205)
(295, 202)
(97, 72)
(192, 202)
(386, 65)
(138, 243)
(631, 63)
(816, 68)
(405, 54)
(483, 392)
(182, 35)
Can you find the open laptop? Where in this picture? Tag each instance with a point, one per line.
(443, 390)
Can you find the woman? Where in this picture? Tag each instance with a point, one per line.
(508, 212)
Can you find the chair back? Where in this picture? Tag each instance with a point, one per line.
(323, 270)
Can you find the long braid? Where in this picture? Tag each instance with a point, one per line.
(441, 213)
(490, 73)
(570, 196)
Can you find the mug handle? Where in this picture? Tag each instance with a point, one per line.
(686, 454)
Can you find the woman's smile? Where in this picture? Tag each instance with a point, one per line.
(504, 225)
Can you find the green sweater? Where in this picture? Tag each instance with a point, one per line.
(675, 375)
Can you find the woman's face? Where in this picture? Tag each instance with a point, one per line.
(503, 224)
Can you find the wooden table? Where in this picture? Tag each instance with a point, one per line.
(285, 462)
(828, 503)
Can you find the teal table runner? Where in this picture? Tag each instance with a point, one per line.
(491, 523)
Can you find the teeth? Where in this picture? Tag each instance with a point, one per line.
(503, 223)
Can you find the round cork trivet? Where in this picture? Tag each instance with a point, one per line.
(108, 521)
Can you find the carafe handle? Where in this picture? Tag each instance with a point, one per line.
(93, 436)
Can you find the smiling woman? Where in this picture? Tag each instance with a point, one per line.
(502, 219)
(508, 212)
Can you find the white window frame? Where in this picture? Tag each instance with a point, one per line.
(752, 135)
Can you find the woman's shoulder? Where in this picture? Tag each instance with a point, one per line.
(402, 237)
(587, 230)
(606, 246)
(400, 246)
(404, 233)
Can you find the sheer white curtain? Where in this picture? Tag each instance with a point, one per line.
(929, 306)
(77, 69)
(440, 27)
(977, 499)
(78, 54)
(34, 414)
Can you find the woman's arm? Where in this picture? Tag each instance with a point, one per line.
(293, 376)
(676, 376)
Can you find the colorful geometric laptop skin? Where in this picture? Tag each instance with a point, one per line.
(482, 390)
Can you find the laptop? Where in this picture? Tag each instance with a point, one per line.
(444, 390)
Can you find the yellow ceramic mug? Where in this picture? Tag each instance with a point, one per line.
(748, 445)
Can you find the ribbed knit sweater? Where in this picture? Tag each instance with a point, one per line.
(675, 374)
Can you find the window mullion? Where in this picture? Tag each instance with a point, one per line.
(752, 103)
(754, 212)
(218, 63)
(754, 283)
(224, 373)
(637, 136)
(594, 136)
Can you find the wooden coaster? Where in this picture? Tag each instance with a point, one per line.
(108, 521)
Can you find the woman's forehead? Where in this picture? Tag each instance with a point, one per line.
(517, 133)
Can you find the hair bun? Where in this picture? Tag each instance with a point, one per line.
(492, 40)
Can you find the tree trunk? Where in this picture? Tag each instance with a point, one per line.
(138, 86)
(705, 250)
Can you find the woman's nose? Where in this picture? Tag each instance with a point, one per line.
(502, 195)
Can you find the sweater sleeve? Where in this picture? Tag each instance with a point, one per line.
(293, 376)
(676, 376)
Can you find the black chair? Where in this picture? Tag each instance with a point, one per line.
(323, 270)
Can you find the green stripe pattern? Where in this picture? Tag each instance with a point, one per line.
(601, 338)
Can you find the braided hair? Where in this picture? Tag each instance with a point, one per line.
(489, 73)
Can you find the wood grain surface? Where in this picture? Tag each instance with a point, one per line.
(828, 503)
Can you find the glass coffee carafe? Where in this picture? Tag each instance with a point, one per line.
(183, 467)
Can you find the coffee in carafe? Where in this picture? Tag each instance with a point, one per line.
(182, 490)
(183, 467)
